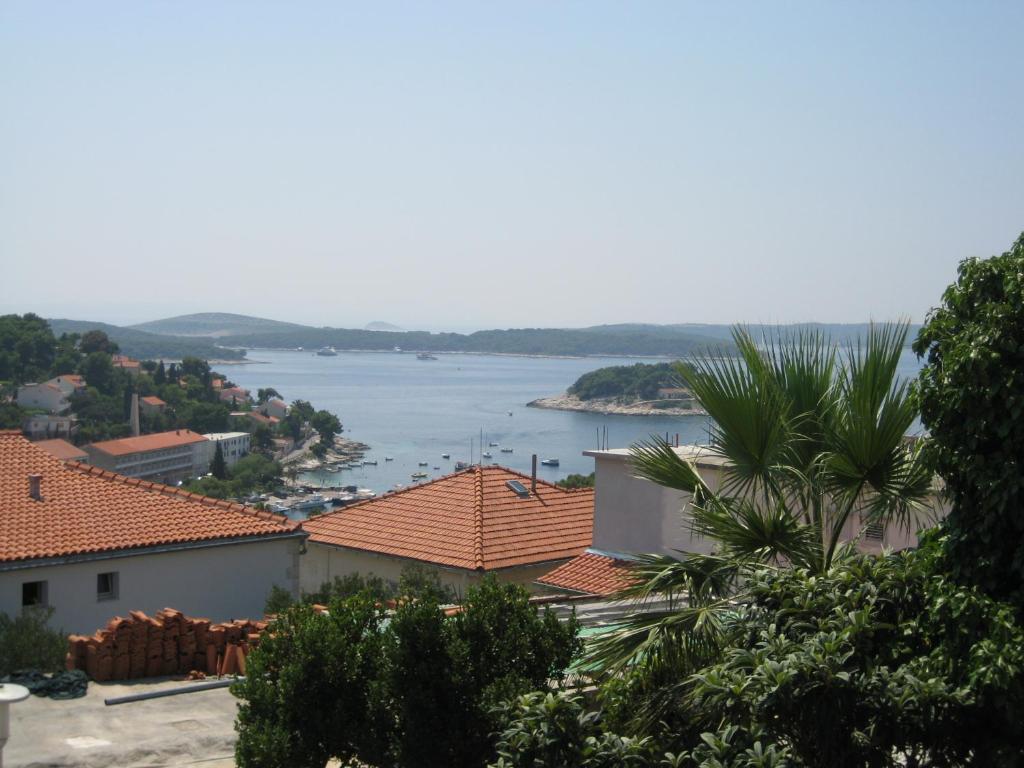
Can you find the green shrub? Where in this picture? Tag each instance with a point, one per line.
(28, 642)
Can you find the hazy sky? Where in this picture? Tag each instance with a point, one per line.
(495, 165)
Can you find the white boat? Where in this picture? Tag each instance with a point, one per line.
(506, 450)
(425, 356)
(418, 475)
(487, 455)
(550, 462)
(493, 445)
(389, 458)
(327, 352)
(446, 455)
(315, 501)
(369, 462)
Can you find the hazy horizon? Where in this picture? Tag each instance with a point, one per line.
(483, 166)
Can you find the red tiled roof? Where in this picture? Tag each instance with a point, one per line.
(87, 510)
(154, 442)
(151, 400)
(62, 449)
(590, 573)
(470, 519)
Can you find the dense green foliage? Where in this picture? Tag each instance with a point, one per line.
(971, 392)
(254, 473)
(28, 642)
(576, 481)
(629, 382)
(26, 349)
(883, 661)
(414, 582)
(416, 691)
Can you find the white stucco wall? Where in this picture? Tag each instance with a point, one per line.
(323, 563)
(632, 515)
(218, 582)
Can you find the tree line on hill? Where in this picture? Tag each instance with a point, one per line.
(628, 382)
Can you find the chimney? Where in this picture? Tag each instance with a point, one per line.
(35, 487)
(533, 476)
(135, 415)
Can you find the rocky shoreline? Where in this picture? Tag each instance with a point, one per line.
(610, 405)
(342, 452)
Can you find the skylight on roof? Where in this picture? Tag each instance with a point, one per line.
(518, 488)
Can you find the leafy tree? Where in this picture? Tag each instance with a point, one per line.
(634, 382)
(808, 443)
(311, 690)
(327, 424)
(160, 375)
(26, 348)
(262, 438)
(99, 372)
(67, 356)
(264, 394)
(218, 467)
(96, 341)
(971, 395)
(27, 642)
(194, 366)
(11, 415)
(278, 601)
(576, 481)
(206, 417)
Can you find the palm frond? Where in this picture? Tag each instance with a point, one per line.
(656, 460)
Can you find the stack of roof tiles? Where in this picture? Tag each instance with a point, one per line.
(471, 519)
(168, 643)
(83, 509)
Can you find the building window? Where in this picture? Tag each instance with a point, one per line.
(874, 530)
(33, 593)
(106, 586)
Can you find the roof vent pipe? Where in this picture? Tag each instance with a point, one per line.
(35, 487)
(533, 476)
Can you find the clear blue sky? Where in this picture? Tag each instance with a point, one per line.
(485, 165)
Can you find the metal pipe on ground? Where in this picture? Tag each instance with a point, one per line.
(170, 692)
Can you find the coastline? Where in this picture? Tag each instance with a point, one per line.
(609, 406)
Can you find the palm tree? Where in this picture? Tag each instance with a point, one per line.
(810, 437)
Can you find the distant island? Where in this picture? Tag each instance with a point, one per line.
(225, 336)
(629, 390)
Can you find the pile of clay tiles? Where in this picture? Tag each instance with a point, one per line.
(168, 643)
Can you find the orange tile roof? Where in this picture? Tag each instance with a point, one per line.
(152, 400)
(470, 519)
(63, 450)
(88, 510)
(590, 573)
(154, 442)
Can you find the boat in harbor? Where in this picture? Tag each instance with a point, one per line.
(389, 458)
(506, 450)
(446, 455)
(326, 352)
(425, 356)
(550, 462)
(461, 465)
(418, 475)
(422, 463)
(493, 445)
(487, 455)
(369, 462)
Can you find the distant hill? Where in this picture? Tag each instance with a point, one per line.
(215, 325)
(841, 333)
(380, 325)
(149, 346)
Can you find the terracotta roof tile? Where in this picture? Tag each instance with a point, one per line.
(85, 509)
(63, 450)
(152, 400)
(590, 573)
(154, 442)
(470, 519)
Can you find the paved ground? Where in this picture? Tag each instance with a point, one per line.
(191, 729)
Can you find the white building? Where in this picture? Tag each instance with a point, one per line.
(49, 397)
(234, 445)
(93, 545)
(633, 515)
(276, 408)
(166, 457)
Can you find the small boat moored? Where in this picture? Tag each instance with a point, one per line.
(550, 462)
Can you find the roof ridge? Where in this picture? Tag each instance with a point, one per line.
(391, 494)
(478, 519)
(168, 490)
(548, 483)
